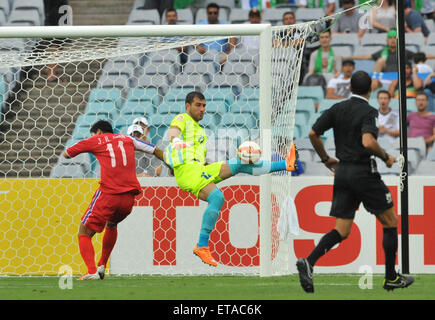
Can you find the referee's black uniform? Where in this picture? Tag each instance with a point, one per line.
(356, 179)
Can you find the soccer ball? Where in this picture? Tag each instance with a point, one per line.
(249, 152)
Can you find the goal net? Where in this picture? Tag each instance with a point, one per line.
(120, 74)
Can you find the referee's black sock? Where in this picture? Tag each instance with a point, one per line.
(327, 242)
(389, 243)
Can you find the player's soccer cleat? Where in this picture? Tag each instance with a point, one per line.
(100, 270)
(292, 158)
(89, 276)
(305, 275)
(205, 255)
(401, 281)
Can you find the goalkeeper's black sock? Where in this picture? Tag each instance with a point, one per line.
(390, 243)
(327, 242)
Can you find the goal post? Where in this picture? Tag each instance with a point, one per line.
(58, 200)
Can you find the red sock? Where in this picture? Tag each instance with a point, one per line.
(109, 240)
(87, 252)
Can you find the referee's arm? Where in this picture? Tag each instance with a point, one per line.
(369, 142)
(317, 143)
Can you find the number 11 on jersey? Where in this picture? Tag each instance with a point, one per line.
(112, 153)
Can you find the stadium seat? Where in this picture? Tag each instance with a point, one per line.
(219, 94)
(309, 14)
(425, 168)
(246, 106)
(208, 68)
(273, 15)
(241, 67)
(414, 41)
(234, 81)
(175, 94)
(195, 81)
(159, 124)
(67, 171)
(5, 7)
(314, 92)
(249, 94)
(385, 171)
(81, 159)
(374, 39)
(144, 16)
(326, 104)
(107, 94)
(171, 107)
(123, 121)
(121, 82)
(209, 121)
(217, 107)
(305, 107)
(119, 67)
(103, 108)
(24, 17)
(365, 65)
(138, 108)
(238, 15)
(168, 55)
(157, 81)
(340, 40)
(144, 95)
(317, 169)
(240, 120)
(37, 5)
(430, 23)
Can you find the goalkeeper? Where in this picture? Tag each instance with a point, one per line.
(186, 155)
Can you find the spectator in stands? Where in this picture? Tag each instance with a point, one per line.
(420, 63)
(349, 22)
(414, 22)
(171, 17)
(422, 122)
(252, 42)
(389, 121)
(386, 59)
(383, 18)
(325, 59)
(224, 46)
(429, 89)
(160, 5)
(339, 87)
(319, 4)
(53, 17)
(146, 166)
(413, 83)
(288, 37)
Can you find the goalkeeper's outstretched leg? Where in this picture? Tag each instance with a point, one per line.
(216, 199)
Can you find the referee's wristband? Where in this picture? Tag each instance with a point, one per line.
(387, 156)
(324, 160)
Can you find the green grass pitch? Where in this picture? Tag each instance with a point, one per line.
(146, 287)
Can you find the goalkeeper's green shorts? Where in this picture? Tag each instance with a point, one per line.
(192, 177)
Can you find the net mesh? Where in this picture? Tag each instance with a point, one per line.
(120, 79)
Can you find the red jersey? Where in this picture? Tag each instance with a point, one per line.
(115, 153)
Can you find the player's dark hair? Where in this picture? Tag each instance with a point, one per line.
(384, 91)
(191, 95)
(212, 5)
(103, 125)
(361, 82)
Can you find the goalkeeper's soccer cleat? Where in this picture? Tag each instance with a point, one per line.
(305, 275)
(401, 281)
(205, 255)
(100, 270)
(291, 158)
(89, 276)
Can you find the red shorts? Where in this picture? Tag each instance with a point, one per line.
(106, 207)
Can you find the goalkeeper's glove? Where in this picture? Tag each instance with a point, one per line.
(178, 144)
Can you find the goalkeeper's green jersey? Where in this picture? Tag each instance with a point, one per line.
(191, 133)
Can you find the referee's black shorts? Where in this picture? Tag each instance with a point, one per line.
(354, 183)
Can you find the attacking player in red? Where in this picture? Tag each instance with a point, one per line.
(114, 199)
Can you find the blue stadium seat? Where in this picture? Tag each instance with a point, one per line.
(314, 92)
(209, 121)
(103, 108)
(326, 104)
(305, 107)
(123, 121)
(159, 124)
(138, 108)
(364, 65)
(249, 94)
(176, 94)
(172, 107)
(239, 120)
(106, 94)
(246, 106)
(219, 94)
(144, 95)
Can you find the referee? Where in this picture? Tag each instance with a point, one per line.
(356, 179)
